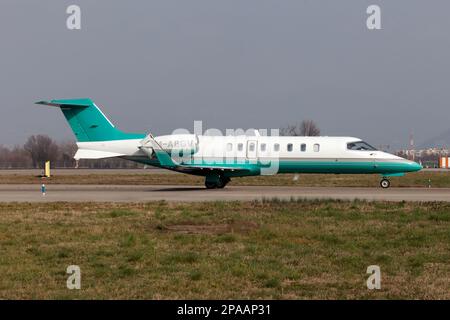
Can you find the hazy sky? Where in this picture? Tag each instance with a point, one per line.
(162, 64)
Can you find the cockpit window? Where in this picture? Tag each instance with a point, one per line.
(360, 145)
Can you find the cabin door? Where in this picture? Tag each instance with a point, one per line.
(374, 160)
(252, 146)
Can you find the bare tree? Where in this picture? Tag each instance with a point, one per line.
(67, 151)
(5, 155)
(305, 128)
(310, 128)
(41, 148)
(15, 157)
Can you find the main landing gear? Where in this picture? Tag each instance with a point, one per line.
(385, 183)
(213, 182)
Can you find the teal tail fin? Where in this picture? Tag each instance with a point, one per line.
(88, 122)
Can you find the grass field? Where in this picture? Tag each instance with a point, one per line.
(417, 179)
(271, 249)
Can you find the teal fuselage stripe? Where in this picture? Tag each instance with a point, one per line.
(342, 167)
(304, 166)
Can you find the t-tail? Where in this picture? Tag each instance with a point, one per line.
(88, 122)
(96, 136)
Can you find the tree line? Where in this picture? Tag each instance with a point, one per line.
(41, 148)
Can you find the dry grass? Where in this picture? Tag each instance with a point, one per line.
(270, 249)
(418, 179)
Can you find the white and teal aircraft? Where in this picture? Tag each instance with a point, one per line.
(220, 158)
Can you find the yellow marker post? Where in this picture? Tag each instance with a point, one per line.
(47, 169)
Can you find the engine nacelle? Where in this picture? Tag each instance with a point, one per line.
(179, 144)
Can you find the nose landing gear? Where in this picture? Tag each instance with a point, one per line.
(385, 183)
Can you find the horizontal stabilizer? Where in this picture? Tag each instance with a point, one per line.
(72, 103)
(95, 154)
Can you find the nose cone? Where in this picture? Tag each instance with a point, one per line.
(413, 166)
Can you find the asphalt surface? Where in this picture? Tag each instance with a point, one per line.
(112, 193)
(83, 171)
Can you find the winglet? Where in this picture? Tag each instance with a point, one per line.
(163, 157)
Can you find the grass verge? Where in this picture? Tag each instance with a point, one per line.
(440, 179)
(271, 249)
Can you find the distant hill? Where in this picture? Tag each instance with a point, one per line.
(442, 140)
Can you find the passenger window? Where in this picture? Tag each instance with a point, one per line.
(276, 147)
(289, 147)
(263, 147)
(229, 147)
(303, 147)
(316, 147)
(240, 147)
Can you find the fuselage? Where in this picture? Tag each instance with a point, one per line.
(264, 154)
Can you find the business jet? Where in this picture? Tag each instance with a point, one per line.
(220, 158)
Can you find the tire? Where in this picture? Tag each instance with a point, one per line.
(385, 183)
(210, 185)
(220, 183)
(223, 182)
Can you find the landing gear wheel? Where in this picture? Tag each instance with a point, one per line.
(210, 185)
(385, 183)
(216, 182)
(222, 182)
